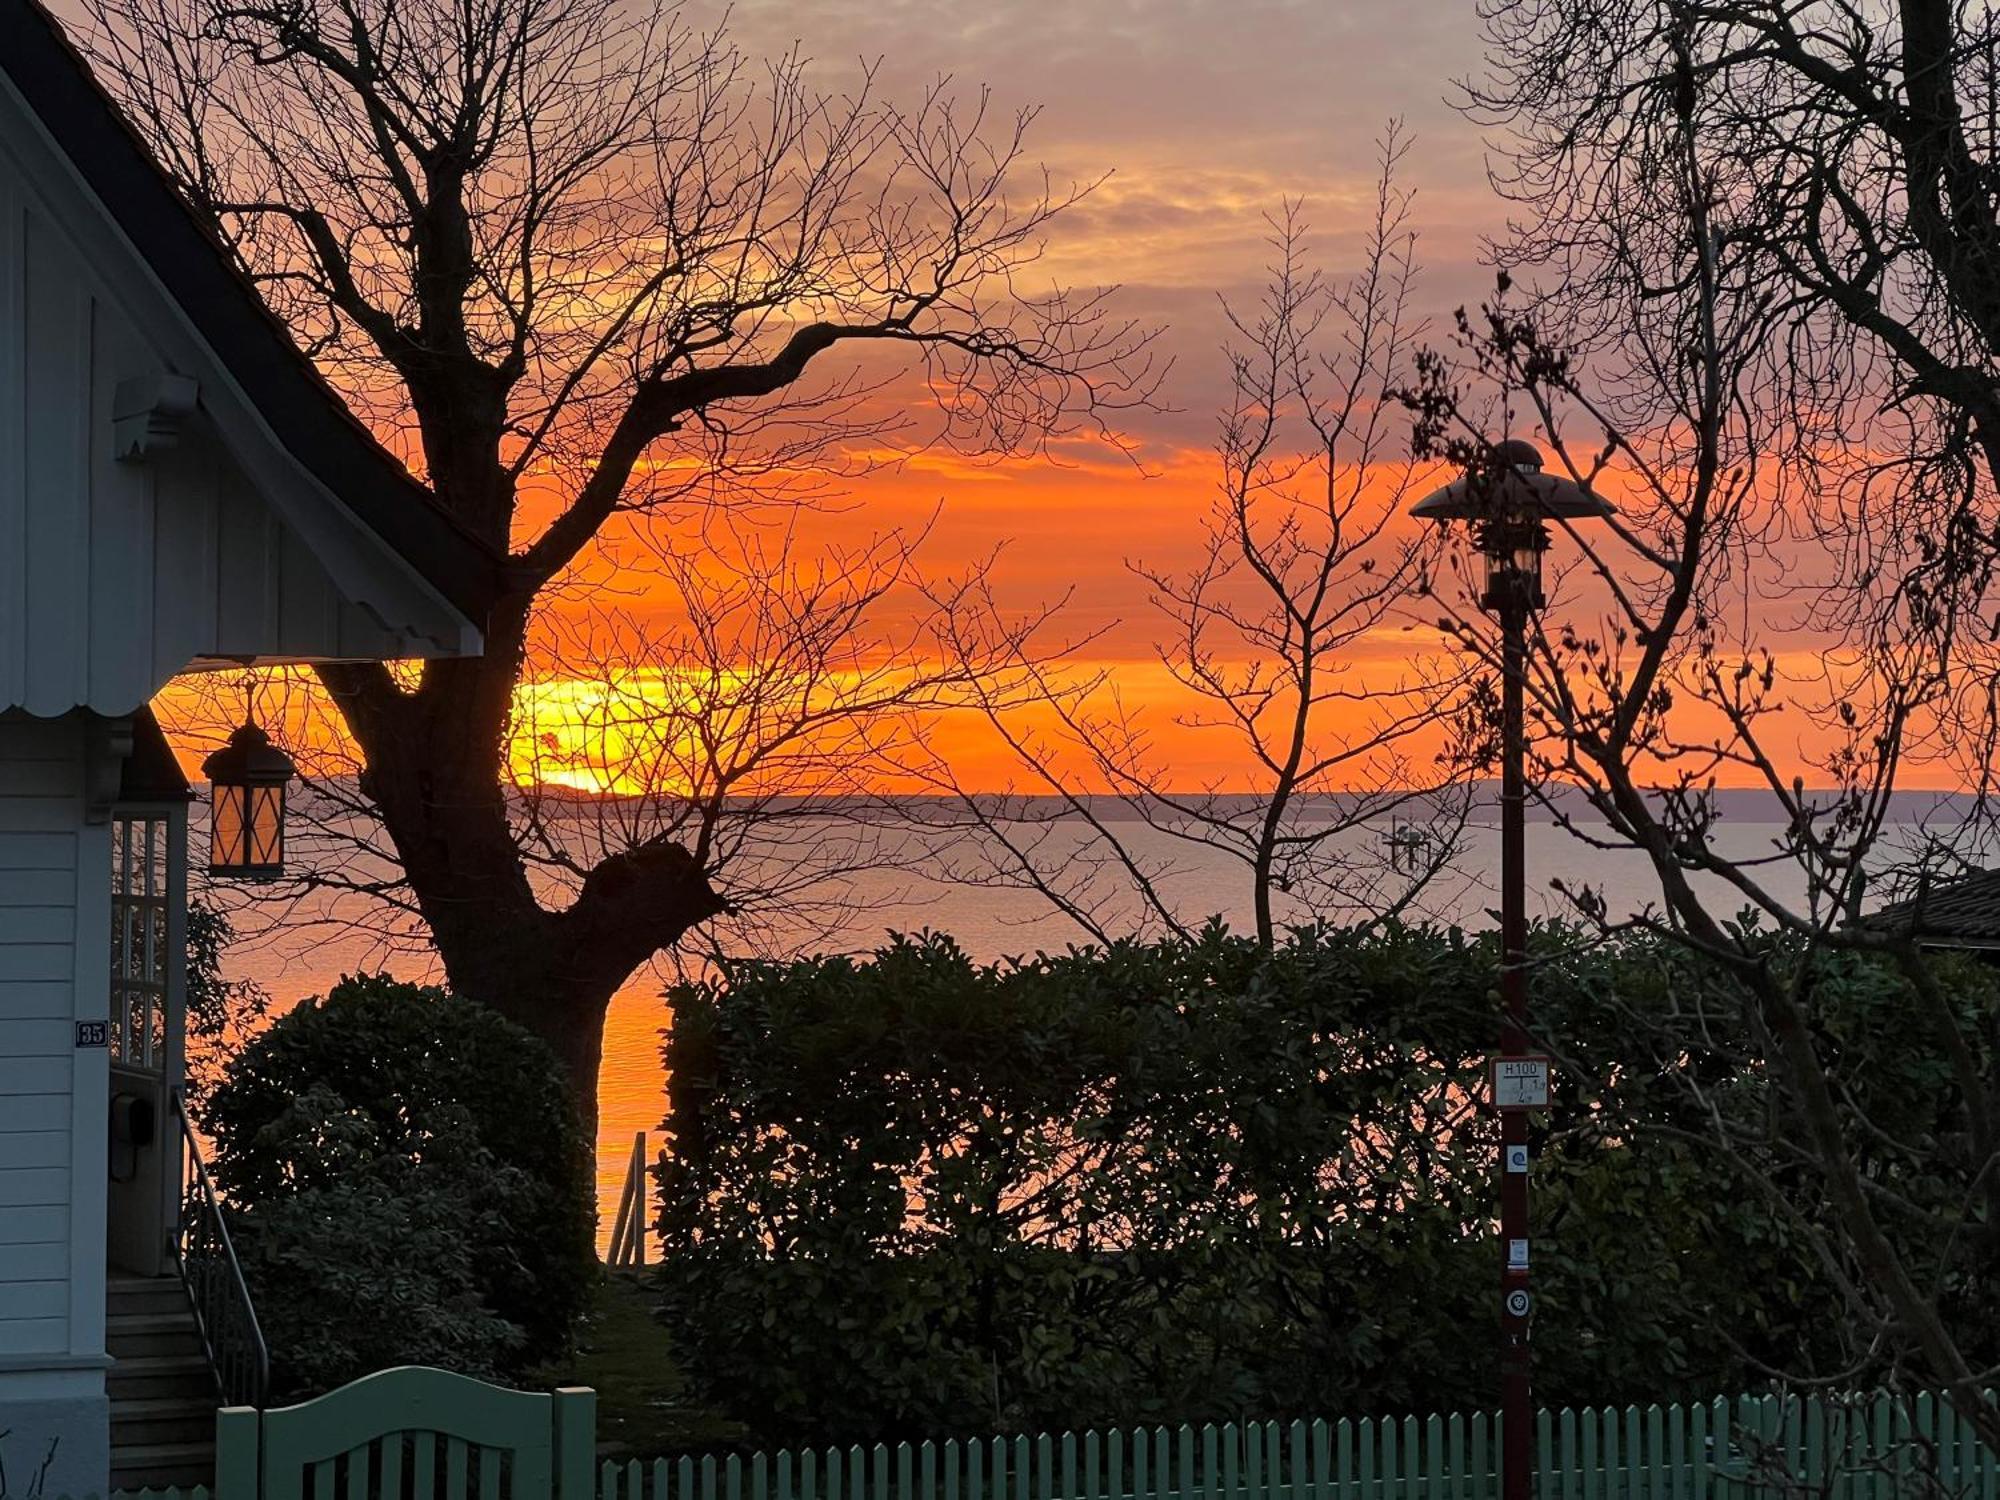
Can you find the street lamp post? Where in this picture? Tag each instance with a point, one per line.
(1507, 501)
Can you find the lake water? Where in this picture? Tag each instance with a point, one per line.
(991, 924)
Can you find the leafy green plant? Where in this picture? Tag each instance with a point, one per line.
(408, 1183)
(1186, 1181)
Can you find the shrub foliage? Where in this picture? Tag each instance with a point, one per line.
(1190, 1181)
(409, 1185)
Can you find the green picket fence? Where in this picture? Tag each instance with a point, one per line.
(1749, 1448)
(1725, 1450)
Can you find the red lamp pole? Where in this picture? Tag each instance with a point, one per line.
(1507, 499)
(1516, 1307)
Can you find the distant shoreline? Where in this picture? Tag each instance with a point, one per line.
(1732, 804)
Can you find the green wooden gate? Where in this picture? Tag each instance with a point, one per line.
(411, 1434)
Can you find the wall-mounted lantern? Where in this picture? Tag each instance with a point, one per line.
(246, 828)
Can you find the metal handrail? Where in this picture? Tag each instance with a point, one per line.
(214, 1280)
(628, 1230)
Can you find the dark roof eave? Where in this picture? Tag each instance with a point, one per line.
(1959, 913)
(150, 773)
(309, 418)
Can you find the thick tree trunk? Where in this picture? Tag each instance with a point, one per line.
(436, 772)
(555, 973)
(437, 758)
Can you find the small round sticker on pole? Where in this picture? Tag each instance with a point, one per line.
(1518, 1303)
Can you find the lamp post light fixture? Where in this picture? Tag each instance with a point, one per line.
(246, 828)
(1508, 502)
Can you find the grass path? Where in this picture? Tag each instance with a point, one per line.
(627, 1357)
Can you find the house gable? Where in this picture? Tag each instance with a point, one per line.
(177, 486)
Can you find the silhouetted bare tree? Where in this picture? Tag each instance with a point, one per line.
(590, 267)
(1284, 636)
(1755, 308)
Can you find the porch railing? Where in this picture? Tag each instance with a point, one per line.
(214, 1280)
(628, 1230)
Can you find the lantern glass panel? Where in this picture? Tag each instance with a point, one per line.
(1528, 561)
(265, 827)
(228, 820)
(1504, 573)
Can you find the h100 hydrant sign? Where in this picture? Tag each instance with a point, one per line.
(1520, 1082)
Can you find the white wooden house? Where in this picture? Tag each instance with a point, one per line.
(178, 490)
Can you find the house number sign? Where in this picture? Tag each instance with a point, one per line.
(93, 1033)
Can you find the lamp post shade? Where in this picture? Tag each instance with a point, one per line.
(1509, 500)
(246, 831)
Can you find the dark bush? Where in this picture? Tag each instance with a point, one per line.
(1175, 1182)
(408, 1182)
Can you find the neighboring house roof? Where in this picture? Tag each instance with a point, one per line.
(1962, 913)
(151, 773)
(309, 419)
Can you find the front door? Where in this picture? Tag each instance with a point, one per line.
(148, 964)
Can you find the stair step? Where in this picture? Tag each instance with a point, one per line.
(163, 1395)
(137, 1434)
(141, 1455)
(149, 1376)
(161, 1406)
(125, 1332)
(169, 1342)
(142, 1286)
(155, 1465)
(157, 1364)
(166, 1297)
(149, 1322)
(170, 1484)
(162, 1484)
(163, 1419)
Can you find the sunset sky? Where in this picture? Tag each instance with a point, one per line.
(1202, 117)
(1207, 116)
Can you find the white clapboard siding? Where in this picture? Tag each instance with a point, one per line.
(35, 1112)
(26, 999)
(34, 1036)
(35, 1075)
(25, 887)
(28, 1149)
(114, 576)
(43, 1262)
(38, 924)
(38, 1300)
(35, 961)
(37, 1037)
(41, 813)
(42, 1224)
(33, 1335)
(35, 858)
(30, 1187)
(13, 450)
